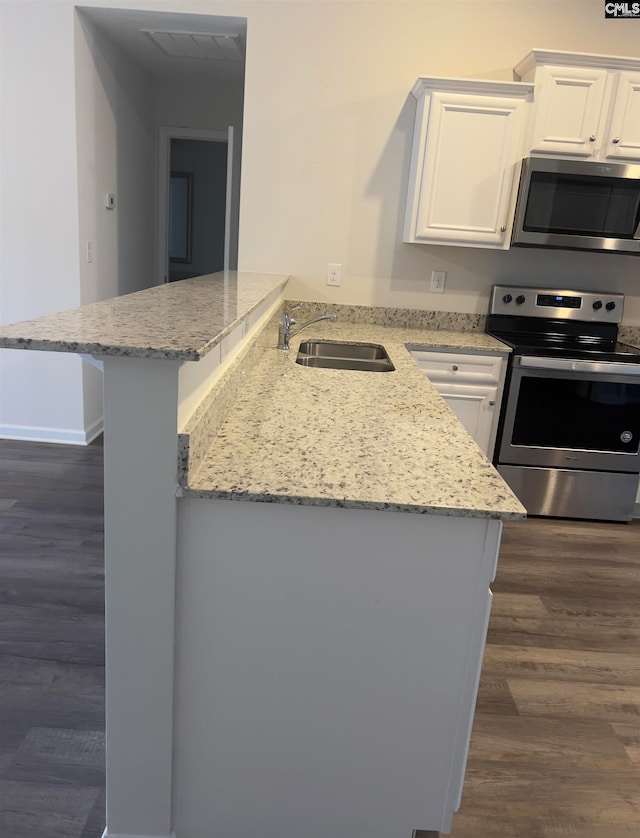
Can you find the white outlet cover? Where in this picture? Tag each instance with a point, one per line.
(334, 274)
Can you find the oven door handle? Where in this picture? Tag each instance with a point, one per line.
(609, 367)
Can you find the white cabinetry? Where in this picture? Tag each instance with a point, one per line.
(586, 106)
(354, 668)
(623, 139)
(466, 145)
(471, 384)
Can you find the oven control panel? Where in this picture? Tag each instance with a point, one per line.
(561, 304)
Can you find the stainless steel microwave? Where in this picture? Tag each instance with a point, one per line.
(578, 205)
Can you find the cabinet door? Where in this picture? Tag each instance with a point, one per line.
(476, 409)
(568, 109)
(471, 384)
(465, 177)
(623, 136)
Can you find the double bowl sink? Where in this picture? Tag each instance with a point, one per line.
(337, 355)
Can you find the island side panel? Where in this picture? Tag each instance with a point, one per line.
(477, 642)
(323, 658)
(140, 545)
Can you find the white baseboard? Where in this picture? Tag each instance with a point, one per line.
(63, 436)
(94, 430)
(106, 834)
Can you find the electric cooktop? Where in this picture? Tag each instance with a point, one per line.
(558, 323)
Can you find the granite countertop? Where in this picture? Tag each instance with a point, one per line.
(352, 439)
(182, 320)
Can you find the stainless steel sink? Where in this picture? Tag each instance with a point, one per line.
(336, 355)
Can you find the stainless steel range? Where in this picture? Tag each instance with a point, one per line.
(569, 433)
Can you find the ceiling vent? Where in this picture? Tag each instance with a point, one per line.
(197, 45)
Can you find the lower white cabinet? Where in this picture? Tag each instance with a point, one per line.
(475, 408)
(328, 690)
(471, 384)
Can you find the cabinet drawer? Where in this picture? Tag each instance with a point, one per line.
(452, 367)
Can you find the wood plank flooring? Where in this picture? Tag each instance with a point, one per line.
(555, 751)
(51, 641)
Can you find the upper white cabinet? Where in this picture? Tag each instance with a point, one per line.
(623, 140)
(586, 106)
(467, 142)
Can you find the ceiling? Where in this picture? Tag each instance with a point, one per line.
(144, 37)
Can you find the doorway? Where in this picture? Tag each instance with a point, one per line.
(195, 189)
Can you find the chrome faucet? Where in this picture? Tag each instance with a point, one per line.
(284, 331)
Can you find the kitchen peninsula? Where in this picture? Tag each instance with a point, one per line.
(304, 661)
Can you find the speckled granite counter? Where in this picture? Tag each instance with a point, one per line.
(302, 435)
(181, 320)
(354, 439)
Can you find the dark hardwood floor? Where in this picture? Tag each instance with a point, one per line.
(555, 751)
(51, 641)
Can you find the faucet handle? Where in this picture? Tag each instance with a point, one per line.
(286, 316)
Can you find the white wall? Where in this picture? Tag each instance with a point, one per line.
(327, 147)
(325, 156)
(54, 179)
(116, 154)
(40, 393)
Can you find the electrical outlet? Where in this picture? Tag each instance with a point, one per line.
(438, 279)
(89, 251)
(334, 274)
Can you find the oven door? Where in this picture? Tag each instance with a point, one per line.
(572, 414)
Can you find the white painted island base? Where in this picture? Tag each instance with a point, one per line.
(327, 663)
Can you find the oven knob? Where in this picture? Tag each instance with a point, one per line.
(507, 298)
(520, 299)
(610, 306)
(597, 305)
